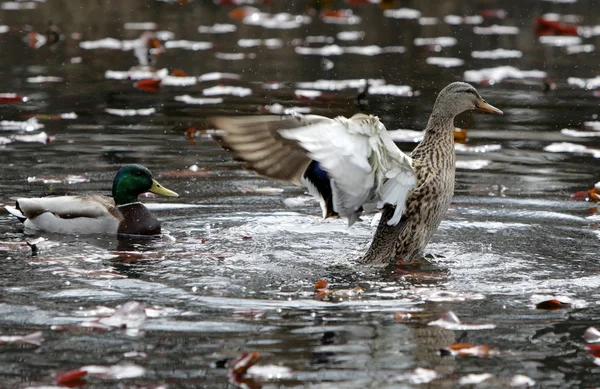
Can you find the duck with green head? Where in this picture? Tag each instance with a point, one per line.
(96, 214)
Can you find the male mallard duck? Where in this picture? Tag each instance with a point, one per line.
(96, 214)
(346, 163)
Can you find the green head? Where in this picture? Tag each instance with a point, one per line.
(133, 180)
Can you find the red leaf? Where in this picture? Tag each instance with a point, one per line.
(551, 27)
(65, 377)
(148, 85)
(10, 98)
(593, 349)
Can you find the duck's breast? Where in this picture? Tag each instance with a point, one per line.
(138, 220)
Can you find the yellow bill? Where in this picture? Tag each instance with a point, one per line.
(161, 190)
(483, 106)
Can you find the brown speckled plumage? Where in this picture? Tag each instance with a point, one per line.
(434, 161)
(348, 162)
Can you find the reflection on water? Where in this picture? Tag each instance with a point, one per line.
(236, 268)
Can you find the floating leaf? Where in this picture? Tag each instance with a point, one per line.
(218, 28)
(188, 45)
(591, 335)
(30, 124)
(148, 85)
(451, 322)
(445, 62)
(550, 302)
(132, 314)
(460, 135)
(269, 372)
(456, 20)
(321, 284)
(545, 26)
(227, 90)
(566, 147)
(402, 316)
(466, 349)
(244, 362)
(474, 379)
(552, 305)
(593, 349)
(131, 112)
(521, 380)
(118, 372)
(497, 54)
(11, 98)
(418, 376)
(70, 376)
(44, 79)
(496, 30)
(444, 41)
(199, 100)
(402, 13)
(35, 338)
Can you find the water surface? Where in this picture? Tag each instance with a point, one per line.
(235, 270)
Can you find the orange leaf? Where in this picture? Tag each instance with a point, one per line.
(460, 135)
(178, 73)
(321, 284)
(460, 346)
(551, 305)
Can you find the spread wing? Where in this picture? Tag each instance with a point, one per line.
(362, 160)
(256, 141)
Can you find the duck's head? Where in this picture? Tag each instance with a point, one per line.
(459, 97)
(133, 180)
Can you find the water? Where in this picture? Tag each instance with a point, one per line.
(235, 270)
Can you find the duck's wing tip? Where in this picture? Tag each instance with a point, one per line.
(256, 141)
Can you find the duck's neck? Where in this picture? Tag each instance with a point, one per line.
(123, 194)
(439, 130)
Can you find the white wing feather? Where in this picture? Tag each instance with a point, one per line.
(362, 160)
(70, 214)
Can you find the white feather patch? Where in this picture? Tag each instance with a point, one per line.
(362, 160)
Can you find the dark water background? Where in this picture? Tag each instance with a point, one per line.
(512, 232)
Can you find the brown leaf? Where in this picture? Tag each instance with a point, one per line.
(243, 363)
(552, 305)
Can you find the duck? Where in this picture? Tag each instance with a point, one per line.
(88, 214)
(347, 163)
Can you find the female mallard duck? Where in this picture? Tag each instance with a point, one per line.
(95, 214)
(346, 163)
